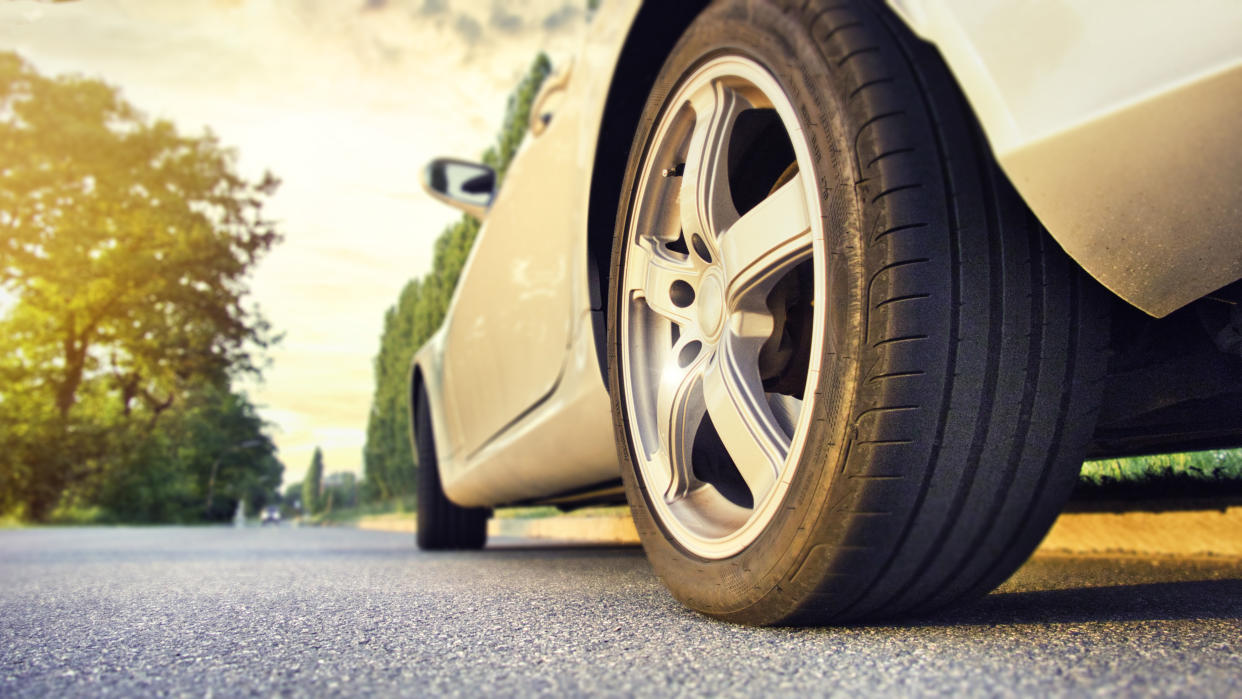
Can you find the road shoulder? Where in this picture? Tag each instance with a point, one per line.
(1172, 533)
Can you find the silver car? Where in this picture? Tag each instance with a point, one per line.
(839, 294)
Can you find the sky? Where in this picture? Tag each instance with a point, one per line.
(344, 101)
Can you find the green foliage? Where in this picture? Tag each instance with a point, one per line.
(1191, 474)
(312, 485)
(124, 260)
(340, 491)
(292, 494)
(388, 458)
(209, 453)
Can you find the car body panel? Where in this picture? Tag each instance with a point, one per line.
(507, 336)
(520, 391)
(1086, 105)
(1158, 225)
(1110, 117)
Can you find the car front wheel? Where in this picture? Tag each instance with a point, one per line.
(851, 374)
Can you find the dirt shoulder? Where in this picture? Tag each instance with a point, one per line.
(1174, 533)
(1177, 533)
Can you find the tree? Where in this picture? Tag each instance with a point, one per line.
(126, 250)
(292, 495)
(388, 461)
(209, 451)
(340, 489)
(312, 485)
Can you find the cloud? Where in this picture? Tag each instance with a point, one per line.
(563, 17)
(504, 20)
(468, 28)
(433, 7)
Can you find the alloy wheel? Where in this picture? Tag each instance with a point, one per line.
(720, 341)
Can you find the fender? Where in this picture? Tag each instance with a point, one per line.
(1079, 110)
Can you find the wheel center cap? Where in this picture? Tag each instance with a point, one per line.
(711, 305)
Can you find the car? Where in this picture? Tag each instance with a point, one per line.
(271, 515)
(838, 295)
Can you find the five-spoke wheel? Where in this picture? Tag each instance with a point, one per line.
(715, 283)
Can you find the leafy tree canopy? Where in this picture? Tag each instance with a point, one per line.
(123, 271)
(126, 244)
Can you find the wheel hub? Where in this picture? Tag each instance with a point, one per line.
(711, 307)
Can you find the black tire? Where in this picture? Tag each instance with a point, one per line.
(950, 424)
(442, 525)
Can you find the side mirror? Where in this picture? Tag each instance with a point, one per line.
(461, 184)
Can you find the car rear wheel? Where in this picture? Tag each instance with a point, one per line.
(442, 525)
(851, 375)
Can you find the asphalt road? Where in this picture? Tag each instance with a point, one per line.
(226, 612)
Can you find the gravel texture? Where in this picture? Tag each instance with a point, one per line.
(324, 612)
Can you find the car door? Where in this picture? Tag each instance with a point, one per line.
(509, 329)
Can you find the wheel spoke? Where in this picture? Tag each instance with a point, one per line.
(679, 411)
(653, 274)
(734, 397)
(706, 201)
(765, 243)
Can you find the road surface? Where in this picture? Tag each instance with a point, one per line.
(323, 612)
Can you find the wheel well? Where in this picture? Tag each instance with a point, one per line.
(416, 386)
(1174, 383)
(656, 29)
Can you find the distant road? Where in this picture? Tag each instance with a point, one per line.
(318, 612)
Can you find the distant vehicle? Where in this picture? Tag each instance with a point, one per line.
(271, 515)
(820, 289)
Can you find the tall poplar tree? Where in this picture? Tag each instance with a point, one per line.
(312, 485)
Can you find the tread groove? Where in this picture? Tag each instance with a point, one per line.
(898, 299)
(857, 52)
(904, 338)
(885, 154)
(870, 83)
(895, 375)
(897, 229)
(839, 28)
(894, 190)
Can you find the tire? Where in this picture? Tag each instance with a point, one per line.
(866, 389)
(442, 525)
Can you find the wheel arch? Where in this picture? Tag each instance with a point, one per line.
(424, 378)
(417, 386)
(656, 28)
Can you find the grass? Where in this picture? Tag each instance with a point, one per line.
(1213, 474)
(76, 515)
(396, 507)
(11, 521)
